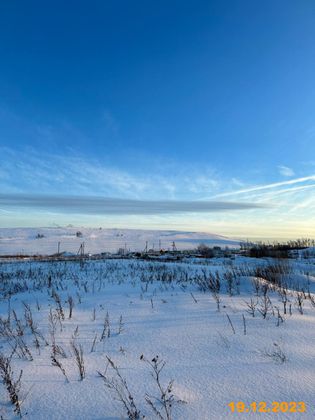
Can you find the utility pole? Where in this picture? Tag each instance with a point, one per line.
(81, 250)
(81, 253)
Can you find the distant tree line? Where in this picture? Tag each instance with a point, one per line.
(275, 249)
(205, 251)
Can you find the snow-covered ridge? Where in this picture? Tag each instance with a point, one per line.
(45, 240)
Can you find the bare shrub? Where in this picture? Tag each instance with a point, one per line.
(312, 299)
(106, 328)
(57, 363)
(122, 350)
(37, 305)
(300, 302)
(165, 397)
(284, 299)
(229, 278)
(252, 304)
(79, 298)
(53, 320)
(265, 306)
(59, 308)
(93, 344)
(78, 354)
(15, 338)
(56, 349)
(230, 322)
(194, 299)
(274, 273)
(223, 341)
(75, 332)
(71, 306)
(93, 314)
(118, 385)
(217, 299)
(276, 353)
(209, 282)
(38, 336)
(120, 325)
(13, 386)
(244, 324)
(256, 286)
(18, 325)
(279, 317)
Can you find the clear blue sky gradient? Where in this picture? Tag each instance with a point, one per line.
(221, 92)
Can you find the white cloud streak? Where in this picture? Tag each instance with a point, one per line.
(268, 186)
(103, 206)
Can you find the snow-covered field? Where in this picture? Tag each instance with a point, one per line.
(195, 316)
(14, 241)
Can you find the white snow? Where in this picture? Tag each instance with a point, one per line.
(210, 365)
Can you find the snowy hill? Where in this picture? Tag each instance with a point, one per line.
(45, 240)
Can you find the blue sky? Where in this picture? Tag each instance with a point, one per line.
(189, 101)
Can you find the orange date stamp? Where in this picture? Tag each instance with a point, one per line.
(264, 407)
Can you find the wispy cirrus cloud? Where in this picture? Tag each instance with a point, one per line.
(27, 171)
(285, 171)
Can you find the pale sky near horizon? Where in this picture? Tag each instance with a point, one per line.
(207, 104)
